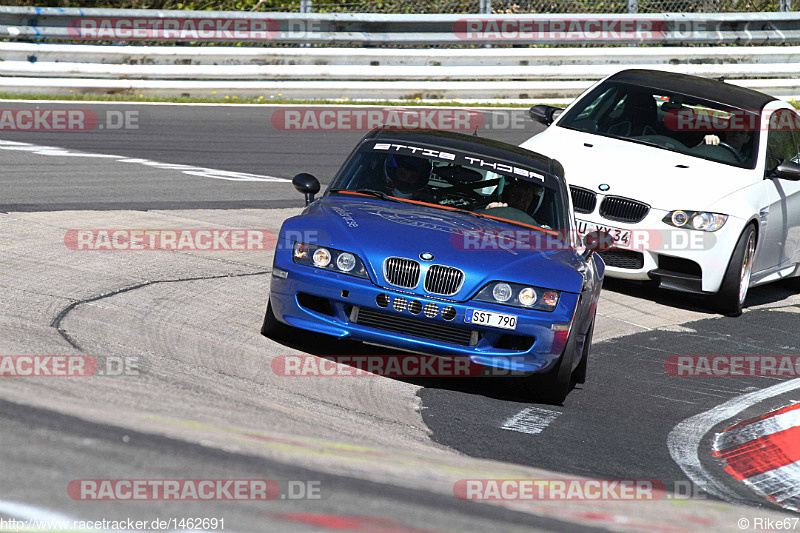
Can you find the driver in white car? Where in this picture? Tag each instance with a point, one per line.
(737, 139)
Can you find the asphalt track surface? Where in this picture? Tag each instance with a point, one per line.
(616, 426)
(233, 138)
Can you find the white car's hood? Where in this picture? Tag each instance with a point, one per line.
(661, 178)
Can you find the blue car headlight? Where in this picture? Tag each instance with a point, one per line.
(518, 295)
(699, 220)
(328, 259)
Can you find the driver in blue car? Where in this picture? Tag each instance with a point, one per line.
(407, 176)
(518, 195)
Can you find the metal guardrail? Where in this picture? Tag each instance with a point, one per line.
(362, 29)
(385, 57)
(483, 91)
(356, 71)
(37, 59)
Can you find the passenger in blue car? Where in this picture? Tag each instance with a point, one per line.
(407, 176)
(520, 200)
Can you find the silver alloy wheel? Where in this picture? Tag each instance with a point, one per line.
(747, 267)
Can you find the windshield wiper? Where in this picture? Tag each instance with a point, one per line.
(370, 192)
(489, 216)
(648, 143)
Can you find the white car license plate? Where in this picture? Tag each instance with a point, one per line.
(622, 237)
(487, 318)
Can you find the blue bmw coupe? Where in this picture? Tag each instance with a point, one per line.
(445, 244)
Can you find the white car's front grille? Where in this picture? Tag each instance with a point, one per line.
(623, 209)
(583, 200)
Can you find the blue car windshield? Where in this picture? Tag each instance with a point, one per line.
(483, 186)
(670, 121)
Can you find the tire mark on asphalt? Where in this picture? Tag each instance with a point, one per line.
(56, 323)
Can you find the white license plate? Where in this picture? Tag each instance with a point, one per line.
(487, 318)
(622, 237)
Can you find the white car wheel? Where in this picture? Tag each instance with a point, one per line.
(732, 293)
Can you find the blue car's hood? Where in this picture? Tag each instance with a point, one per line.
(375, 229)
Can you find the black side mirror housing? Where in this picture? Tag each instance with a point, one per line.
(307, 185)
(788, 170)
(597, 241)
(544, 114)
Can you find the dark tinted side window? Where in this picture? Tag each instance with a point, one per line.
(782, 140)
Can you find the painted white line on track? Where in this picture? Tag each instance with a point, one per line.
(684, 440)
(531, 420)
(185, 169)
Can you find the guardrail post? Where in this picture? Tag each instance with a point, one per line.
(486, 7)
(633, 6)
(305, 6)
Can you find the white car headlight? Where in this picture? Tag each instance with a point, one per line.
(699, 220)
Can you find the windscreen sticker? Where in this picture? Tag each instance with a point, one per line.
(477, 162)
(415, 150)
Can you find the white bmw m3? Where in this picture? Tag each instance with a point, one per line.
(696, 180)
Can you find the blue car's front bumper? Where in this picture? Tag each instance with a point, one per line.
(323, 301)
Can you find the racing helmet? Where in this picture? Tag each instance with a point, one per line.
(420, 166)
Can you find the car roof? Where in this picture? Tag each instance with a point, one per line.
(703, 88)
(473, 144)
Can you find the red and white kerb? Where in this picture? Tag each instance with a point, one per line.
(764, 453)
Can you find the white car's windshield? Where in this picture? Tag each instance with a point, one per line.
(668, 120)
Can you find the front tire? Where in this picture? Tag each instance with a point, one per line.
(579, 374)
(733, 291)
(553, 386)
(272, 328)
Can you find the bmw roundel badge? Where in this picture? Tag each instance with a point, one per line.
(426, 256)
(604, 187)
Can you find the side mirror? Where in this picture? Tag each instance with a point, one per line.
(597, 241)
(544, 114)
(306, 184)
(788, 170)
